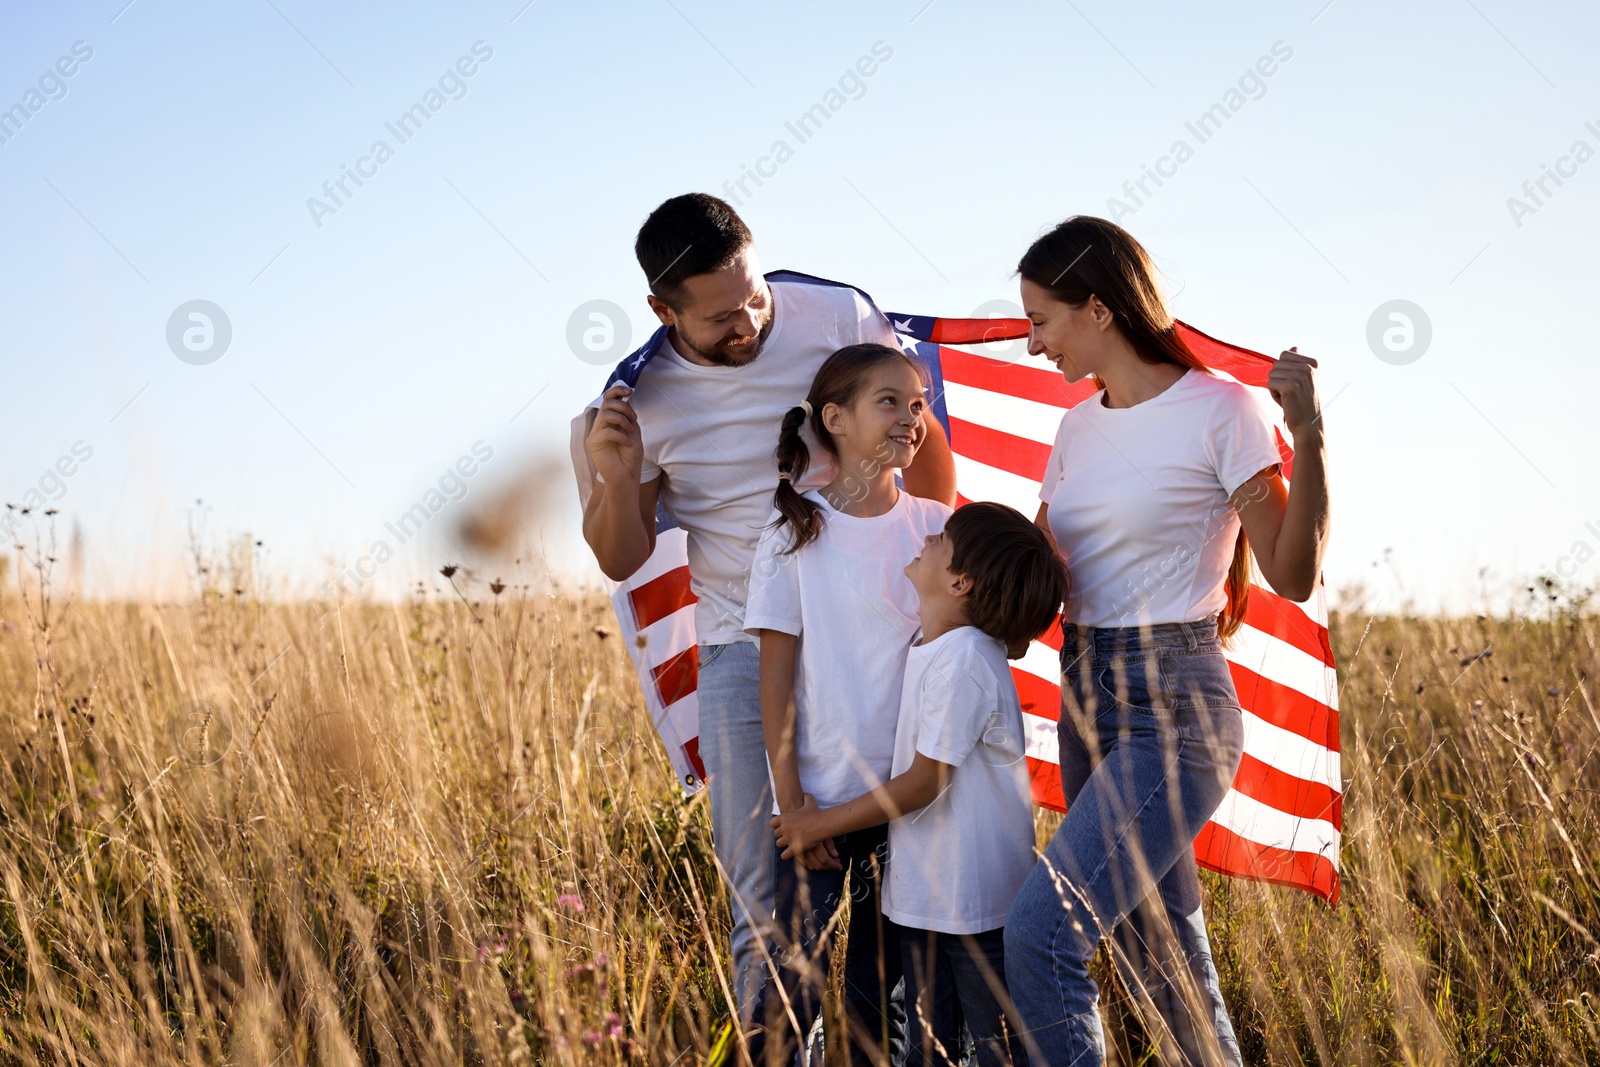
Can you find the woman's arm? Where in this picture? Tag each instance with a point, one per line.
(1288, 525)
(916, 788)
(1042, 520)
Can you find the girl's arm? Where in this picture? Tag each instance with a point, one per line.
(1288, 526)
(778, 727)
(778, 715)
(922, 782)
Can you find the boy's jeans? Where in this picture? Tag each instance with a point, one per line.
(956, 982)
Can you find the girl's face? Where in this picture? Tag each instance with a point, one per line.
(1072, 338)
(883, 425)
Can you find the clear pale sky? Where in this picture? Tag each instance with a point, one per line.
(374, 344)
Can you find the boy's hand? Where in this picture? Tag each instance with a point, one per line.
(800, 833)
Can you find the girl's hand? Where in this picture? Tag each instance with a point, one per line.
(1293, 384)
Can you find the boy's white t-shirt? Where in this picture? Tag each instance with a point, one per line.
(956, 865)
(712, 432)
(848, 600)
(1139, 498)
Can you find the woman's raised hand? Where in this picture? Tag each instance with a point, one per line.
(1293, 384)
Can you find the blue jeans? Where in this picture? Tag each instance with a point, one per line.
(955, 981)
(1151, 734)
(734, 751)
(807, 905)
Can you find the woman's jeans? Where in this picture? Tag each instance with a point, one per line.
(1151, 734)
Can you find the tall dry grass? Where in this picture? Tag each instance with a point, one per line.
(443, 832)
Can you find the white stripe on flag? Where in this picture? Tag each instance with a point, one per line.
(1004, 412)
(979, 481)
(1281, 662)
(1265, 825)
(1291, 753)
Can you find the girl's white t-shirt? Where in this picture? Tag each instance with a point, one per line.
(1139, 498)
(956, 865)
(848, 600)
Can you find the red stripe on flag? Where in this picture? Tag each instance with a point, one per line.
(1038, 696)
(1021, 456)
(675, 679)
(977, 331)
(1220, 849)
(1286, 708)
(1046, 780)
(997, 376)
(1249, 367)
(1289, 623)
(661, 596)
(691, 749)
(1282, 790)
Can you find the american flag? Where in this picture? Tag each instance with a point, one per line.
(1281, 820)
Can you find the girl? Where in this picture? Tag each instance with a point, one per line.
(1157, 488)
(834, 615)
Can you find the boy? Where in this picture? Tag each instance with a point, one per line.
(961, 836)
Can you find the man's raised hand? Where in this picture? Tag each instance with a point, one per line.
(613, 442)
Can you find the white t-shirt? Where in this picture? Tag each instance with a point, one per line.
(846, 596)
(956, 865)
(712, 432)
(1139, 499)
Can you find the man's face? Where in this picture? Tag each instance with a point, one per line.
(724, 316)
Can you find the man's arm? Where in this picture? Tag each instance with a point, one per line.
(932, 473)
(619, 522)
(910, 791)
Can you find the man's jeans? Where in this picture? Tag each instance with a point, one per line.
(956, 980)
(1151, 734)
(734, 752)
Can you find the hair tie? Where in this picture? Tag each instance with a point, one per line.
(805, 406)
(783, 476)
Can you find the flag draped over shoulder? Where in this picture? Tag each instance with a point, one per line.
(1281, 820)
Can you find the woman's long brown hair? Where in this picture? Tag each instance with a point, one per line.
(1086, 256)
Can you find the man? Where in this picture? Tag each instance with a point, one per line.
(696, 435)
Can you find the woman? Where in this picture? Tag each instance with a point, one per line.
(1159, 488)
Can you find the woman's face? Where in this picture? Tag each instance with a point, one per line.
(1070, 337)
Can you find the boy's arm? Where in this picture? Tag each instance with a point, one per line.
(910, 791)
(778, 715)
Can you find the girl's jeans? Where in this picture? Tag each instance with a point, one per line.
(1151, 734)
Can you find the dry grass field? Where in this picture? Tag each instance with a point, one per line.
(443, 832)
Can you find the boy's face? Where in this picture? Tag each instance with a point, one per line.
(930, 572)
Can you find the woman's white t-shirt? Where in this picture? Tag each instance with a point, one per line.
(1139, 498)
(848, 600)
(956, 865)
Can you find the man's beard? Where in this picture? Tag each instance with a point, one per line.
(719, 356)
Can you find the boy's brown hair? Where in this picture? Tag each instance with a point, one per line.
(1018, 581)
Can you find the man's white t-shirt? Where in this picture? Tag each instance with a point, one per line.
(846, 596)
(712, 431)
(956, 865)
(1139, 499)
